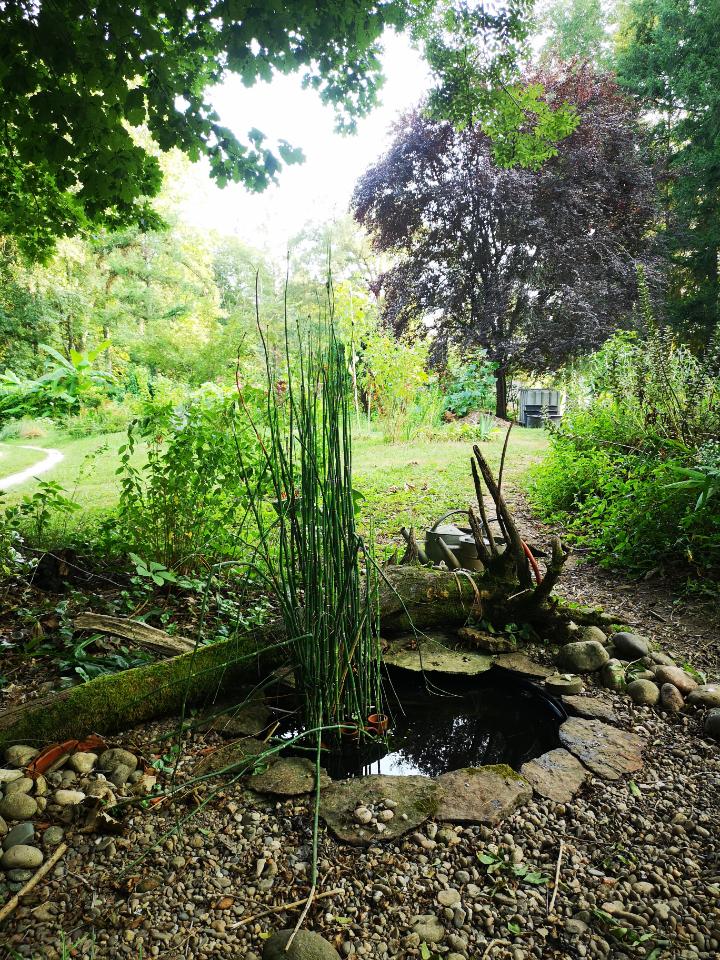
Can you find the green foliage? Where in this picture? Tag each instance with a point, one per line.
(109, 417)
(312, 557)
(11, 543)
(498, 867)
(31, 521)
(24, 318)
(474, 51)
(38, 511)
(185, 507)
(83, 95)
(667, 57)
(470, 384)
(481, 431)
(704, 477)
(68, 383)
(394, 373)
(576, 28)
(633, 468)
(75, 86)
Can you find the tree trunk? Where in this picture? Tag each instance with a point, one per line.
(501, 393)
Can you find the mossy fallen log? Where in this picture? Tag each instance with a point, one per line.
(409, 596)
(122, 700)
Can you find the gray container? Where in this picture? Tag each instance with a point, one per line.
(535, 404)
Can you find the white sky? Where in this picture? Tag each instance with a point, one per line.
(321, 187)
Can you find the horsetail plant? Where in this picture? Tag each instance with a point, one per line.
(317, 565)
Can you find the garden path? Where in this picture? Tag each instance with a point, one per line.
(52, 458)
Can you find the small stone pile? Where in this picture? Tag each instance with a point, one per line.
(376, 815)
(626, 662)
(73, 786)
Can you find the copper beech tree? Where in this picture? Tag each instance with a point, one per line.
(534, 266)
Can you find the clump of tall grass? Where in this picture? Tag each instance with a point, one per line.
(317, 564)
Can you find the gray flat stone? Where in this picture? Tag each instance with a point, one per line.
(630, 646)
(556, 775)
(247, 721)
(20, 833)
(582, 656)
(481, 794)
(592, 708)
(20, 754)
(564, 683)
(428, 928)
(416, 799)
(706, 695)
(22, 857)
(18, 806)
(111, 759)
(235, 756)
(608, 752)
(288, 777)
(671, 700)
(643, 692)
(487, 642)
(520, 663)
(677, 677)
(711, 726)
(434, 657)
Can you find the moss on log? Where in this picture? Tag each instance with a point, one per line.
(121, 700)
(421, 597)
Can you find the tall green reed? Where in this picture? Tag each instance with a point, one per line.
(318, 566)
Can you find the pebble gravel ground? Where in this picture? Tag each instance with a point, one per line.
(639, 874)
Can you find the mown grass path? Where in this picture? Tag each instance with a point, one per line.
(51, 458)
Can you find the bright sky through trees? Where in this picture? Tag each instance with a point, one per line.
(320, 188)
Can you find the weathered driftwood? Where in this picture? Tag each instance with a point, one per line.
(138, 633)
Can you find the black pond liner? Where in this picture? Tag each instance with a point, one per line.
(496, 717)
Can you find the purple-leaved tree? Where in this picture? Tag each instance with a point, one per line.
(537, 267)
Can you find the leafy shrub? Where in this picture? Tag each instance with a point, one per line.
(465, 430)
(186, 506)
(67, 384)
(395, 377)
(633, 470)
(41, 510)
(31, 521)
(470, 384)
(109, 417)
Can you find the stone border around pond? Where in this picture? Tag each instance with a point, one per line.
(383, 808)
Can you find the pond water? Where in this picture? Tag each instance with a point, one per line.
(500, 721)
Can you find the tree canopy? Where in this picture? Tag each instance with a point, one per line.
(79, 80)
(76, 78)
(668, 58)
(576, 28)
(533, 266)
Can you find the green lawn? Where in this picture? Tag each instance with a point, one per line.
(414, 484)
(87, 472)
(406, 484)
(13, 458)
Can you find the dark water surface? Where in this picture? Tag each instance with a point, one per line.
(500, 722)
